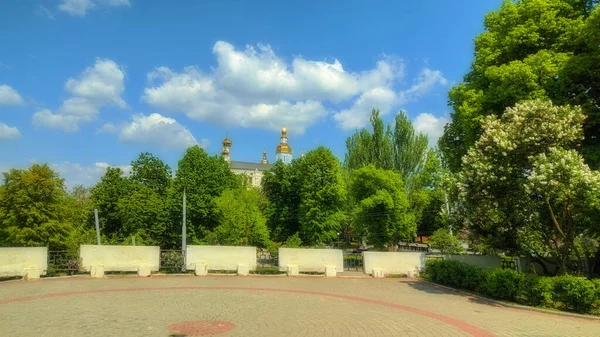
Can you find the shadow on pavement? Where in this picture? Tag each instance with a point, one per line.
(434, 289)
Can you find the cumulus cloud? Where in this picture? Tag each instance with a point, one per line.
(98, 86)
(154, 130)
(8, 132)
(87, 175)
(254, 87)
(9, 96)
(80, 8)
(430, 125)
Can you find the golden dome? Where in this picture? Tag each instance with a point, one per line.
(283, 148)
(227, 141)
(225, 152)
(283, 131)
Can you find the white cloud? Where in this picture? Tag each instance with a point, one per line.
(358, 115)
(43, 11)
(82, 7)
(430, 125)
(426, 80)
(155, 130)
(77, 174)
(8, 132)
(98, 86)
(253, 87)
(9, 96)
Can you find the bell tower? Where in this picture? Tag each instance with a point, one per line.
(284, 151)
(226, 147)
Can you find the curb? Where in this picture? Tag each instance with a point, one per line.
(518, 306)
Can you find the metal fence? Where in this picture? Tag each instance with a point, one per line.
(265, 259)
(353, 261)
(172, 261)
(62, 262)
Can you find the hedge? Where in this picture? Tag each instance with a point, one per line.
(569, 293)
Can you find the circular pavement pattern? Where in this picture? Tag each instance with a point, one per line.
(262, 306)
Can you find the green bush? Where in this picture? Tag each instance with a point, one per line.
(537, 291)
(502, 284)
(574, 293)
(455, 274)
(564, 292)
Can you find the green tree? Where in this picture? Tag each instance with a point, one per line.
(203, 178)
(143, 213)
(522, 189)
(376, 147)
(151, 172)
(402, 150)
(105, 197)
(241, 219)
(530, 49)
(322, 197)
(445, 242)
(280, 186)
(382, 211)
(32, 208)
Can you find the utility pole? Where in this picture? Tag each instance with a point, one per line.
(183, 227)
(97, 226)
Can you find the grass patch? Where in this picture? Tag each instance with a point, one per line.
(227, 272)
(312, 273)
(395, 276)
(267, 271)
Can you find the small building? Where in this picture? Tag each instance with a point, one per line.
(254, 171)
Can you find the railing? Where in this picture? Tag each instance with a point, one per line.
(264, 259)
(172, 261)
(508, 263)
(353, 261)
(62, 262)
(413, 247)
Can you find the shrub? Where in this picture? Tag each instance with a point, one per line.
(574, 293)
(455, 274)
(563, 292)
(502, 284)
(536, 291)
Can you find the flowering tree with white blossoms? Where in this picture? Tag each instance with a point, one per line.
(525, 189)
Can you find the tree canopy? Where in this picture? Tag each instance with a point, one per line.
(530, 49)
(522, 187)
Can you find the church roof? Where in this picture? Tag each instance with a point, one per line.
(242, 165)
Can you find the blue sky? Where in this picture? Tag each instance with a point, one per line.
(89, 83)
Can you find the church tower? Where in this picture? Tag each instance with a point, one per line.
(226, 146)
(284, 151)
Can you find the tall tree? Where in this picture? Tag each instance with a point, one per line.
(105, 197)
(151, 172)
(143, 213)
(402, 150)
(530, 49)
(280, 186)
(322, 196)
(241, 218)
(32, 208)
(203, 178)
(382, 211)
(522, 189)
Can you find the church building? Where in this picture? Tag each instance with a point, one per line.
(255, 171)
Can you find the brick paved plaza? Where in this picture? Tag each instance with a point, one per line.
(263, 306)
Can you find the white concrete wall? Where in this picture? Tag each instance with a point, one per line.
(394, 262)
(221, 257)
(485, 261)
(13, 260)
(311, 260)
(119, 258)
